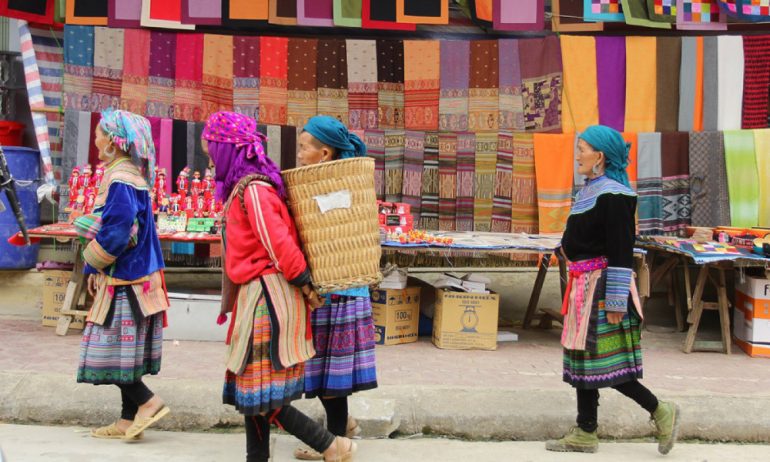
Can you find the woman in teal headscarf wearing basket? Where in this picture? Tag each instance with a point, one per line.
(343, 330)
(602, 316)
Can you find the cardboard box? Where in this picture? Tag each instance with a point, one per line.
(54, 290)
(465, 321)
(396, 314)
(756, 288)
(192, 316)
(751, 319)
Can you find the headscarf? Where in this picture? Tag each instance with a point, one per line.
(236, 148)
(332, 132)
(615, 149)
(132, 134)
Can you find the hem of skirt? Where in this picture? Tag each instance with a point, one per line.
(340, 393)
(250, 410)
(116, 382)
(593, 385)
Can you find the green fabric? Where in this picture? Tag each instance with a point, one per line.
(347, 13)
(60, 11)
(762, 150)
(636, 14)
(742, 177)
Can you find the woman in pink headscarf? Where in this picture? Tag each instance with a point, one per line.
(267, 288)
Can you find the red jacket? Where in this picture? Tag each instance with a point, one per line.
(264, 239)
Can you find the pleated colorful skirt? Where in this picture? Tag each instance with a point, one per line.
(127, 347)
(260, 388)
(343, 336)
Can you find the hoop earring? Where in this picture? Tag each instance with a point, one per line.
(595, 170)
(109, 151)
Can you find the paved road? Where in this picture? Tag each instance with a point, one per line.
(67, 444)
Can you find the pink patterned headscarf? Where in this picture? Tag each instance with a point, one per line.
(237, 129)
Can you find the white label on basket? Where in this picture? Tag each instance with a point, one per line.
(335, 200)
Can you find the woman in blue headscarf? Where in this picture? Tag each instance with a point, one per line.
(601, 308)
(124, 329)
(343, 330)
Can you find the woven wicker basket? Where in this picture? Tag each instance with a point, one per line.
(342, 245)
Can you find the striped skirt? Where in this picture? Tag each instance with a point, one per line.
(343, 336)
(616, 357)
(260, 388)
(127, 347)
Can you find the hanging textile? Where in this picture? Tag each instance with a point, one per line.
(333, 79)
(742, 177)
(668, 64)
(675, 173)
(511, 115)
(708, 180)
(302, 94)
(164, 14)
(710, 83)
(581, 99)
(394, 165)
(245, 13)
(87, 12)
(136, 70)
(362, 83)
(36, 11)
(381, 14)
(273, 80)
(447, 171)
(611, 81)
(603, 11)
(217, 86)
(108, 67)
(78, 67)
(318, 13)
(422, 11)
(501, 204)
(746, 10)
(390, 83)
(691, 85)
(641, 84)
(178, 150)
(288, 147)
(554, 156)
(124, 13)
(283, 12)
(756, 80)
(633, 159)
(636, 14)
(466, 166)
(160, 88)
(483, 94)
(201, 12)
(422, 70)
(70, 136)
(541, 74)
(165, 151)
(188, 86)
(662, 10)
(197, 159)
(484, 180)
(567, 16)
(414, 151)
(762, 153)
(524, 212)
(518, 15)
(730, 81)
(274, 145)
(650, 184)
(430, 184)
(453, 96)
(700, 15)
(375, 148)
(347, 13)
(246, 62)
(90, 122)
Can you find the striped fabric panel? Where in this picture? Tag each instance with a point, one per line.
(511, 116)
(483, 94)
(524, 217)
(362, 83)
(677, 205)
(484, 180)
(650, 184)
(422, 65)
(453, 96)
(217, 74)
(246, 70)
(619, 282)
(390, 103)
(447, 171)
(292, 316)
(394, 165)
(501, 205)
(302, 81)
(756, 81)
(414, 150)
(430, 183)
(466, 166)
(333, 102)
(189, 75)
(78, 67)
(375, 148)
(136, 63)
(273, 91)
(243, 326)
(108, 67)
(302, 105)
(332, 75)
(95, 255)
(554, 171)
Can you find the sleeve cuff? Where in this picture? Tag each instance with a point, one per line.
(618, 287)
(95, 255)
(301, 280)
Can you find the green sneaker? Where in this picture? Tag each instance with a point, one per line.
(576, 440)
(666, 418)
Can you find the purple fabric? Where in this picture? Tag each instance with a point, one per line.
(319, 9)
(455, 64)
(162, 54)
(510, 73)
(203, 12)
(124, 13)
(611, 80)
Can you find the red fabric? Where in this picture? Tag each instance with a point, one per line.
(169, 10)
(46, 18)
(93, 151)
(756, 80)
(248, 256)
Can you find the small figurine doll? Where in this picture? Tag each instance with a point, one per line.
(161, 180)
(98, 176)
(188, 206)
(200, 205)
(90, 199)
(195, 184)
(208, 181)
(85, 178)
(174, 207)
(183, 182)
(74, 185)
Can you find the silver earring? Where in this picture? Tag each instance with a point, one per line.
(595, 169)
(110, 151)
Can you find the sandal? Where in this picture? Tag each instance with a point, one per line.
(341, 456)
(112, 432)
(142, 423)
(305, 452)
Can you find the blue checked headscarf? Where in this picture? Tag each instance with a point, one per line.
(132, 134)
(615, 149)
(332, 132)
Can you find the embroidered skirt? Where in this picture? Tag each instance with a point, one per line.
(343, 336)
(612, 353)
(127, 347)
(260, 388)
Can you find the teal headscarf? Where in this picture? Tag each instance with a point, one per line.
(332, 132)
(615, 149)
(133, 135)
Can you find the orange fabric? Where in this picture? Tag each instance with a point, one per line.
(250, 10)
(698, 110)
(641, 86)
(70, 17)
(633, 165)
(484, 10)
(554, 170)
(581, 98)
(403, 17)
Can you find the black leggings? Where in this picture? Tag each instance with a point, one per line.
(336, 415)
(287, 418)
(133, 396)
(588, 403)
